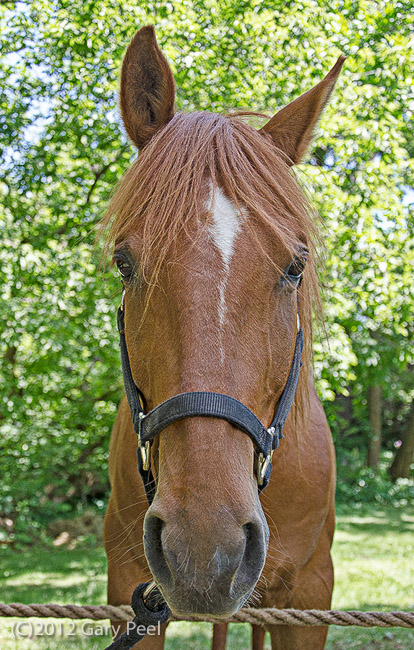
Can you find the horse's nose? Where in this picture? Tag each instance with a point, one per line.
(208, 574)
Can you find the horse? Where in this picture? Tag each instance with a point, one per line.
(217, 249)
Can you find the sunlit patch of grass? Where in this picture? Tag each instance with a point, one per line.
(373, 571)
(373, 565)
(373, 561)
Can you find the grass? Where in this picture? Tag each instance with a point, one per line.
(372, 554)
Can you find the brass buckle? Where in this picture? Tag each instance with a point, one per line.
(145, 449)
(263, 461)
(145, 455)
(262, 465)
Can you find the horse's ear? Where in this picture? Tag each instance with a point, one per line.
(147, 88)
(292, 128)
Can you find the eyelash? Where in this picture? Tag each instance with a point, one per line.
(294, 272)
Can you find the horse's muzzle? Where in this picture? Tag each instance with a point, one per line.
(205, 569)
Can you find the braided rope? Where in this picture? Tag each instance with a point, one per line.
(52, 610)
(264, 617)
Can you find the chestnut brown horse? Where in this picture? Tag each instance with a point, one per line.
(211, 233)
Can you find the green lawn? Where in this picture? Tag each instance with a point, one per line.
(374, 570)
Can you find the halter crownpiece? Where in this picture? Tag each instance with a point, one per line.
(206, 404)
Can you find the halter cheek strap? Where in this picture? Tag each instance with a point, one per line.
(206, 404)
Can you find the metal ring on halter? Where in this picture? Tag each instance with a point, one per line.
(145, 455)
(262, 465)
(263, 461)
(145, 449)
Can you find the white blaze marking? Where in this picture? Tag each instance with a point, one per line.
(224, 230)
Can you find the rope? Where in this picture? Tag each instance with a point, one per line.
(264, 617)
(52, 610)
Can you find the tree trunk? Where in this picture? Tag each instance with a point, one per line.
(375, 420)
(400, 467)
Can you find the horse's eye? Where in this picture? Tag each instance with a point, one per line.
(297, 267)
(125, 268)
(294, 272)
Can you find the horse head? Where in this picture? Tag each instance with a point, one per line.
(212, 234)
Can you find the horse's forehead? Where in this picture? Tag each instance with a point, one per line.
(226, 223)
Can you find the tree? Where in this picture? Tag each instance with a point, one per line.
(403, 460)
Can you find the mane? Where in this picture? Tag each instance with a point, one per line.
(165, 189)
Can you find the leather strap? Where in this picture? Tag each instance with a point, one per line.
(205, 404)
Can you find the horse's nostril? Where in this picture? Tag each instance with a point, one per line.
(253, 537)
(252, 561)
(153, 528)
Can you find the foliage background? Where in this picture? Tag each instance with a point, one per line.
(62, 151)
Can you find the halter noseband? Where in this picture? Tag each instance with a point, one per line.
(202, 403)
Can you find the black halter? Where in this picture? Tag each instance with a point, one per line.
(149, 425)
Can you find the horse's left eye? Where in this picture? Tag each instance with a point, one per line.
(295, 269)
